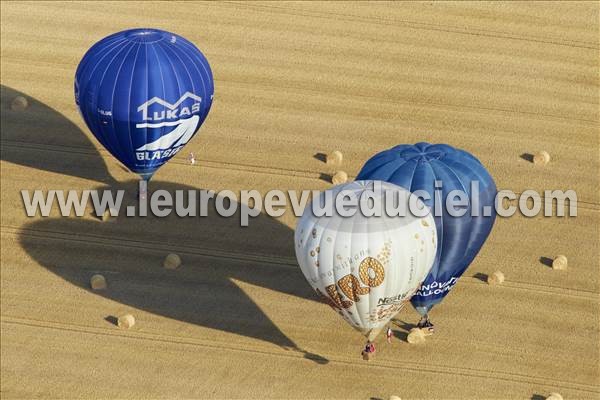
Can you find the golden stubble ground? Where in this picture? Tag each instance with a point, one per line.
(237, 319)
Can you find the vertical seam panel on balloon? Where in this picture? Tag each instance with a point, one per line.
(410, 189)
(109, 147)
(362, 321)
(482, 179)
(114, 44)
(208, 71)
(175, 51)
(83, 67)
(370, 304)
(440, 239)
(129, 102)
(396, 169)
(201, 81)
(192, 81)
(384, 235)
(462, 259)
(194, 51)
(448, 168)
(113, 97)
(84, 90)
(148, 98)
(175, 71)
(164, 95)
(325, 228)
(204, 67)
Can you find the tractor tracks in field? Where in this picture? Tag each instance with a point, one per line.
(259, 260)
(377, 20)
(152, 247)
(225, 165)
(299, 354)
(288, 172)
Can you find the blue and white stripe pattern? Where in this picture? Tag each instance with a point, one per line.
(144, 93)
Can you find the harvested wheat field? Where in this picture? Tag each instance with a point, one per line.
(229, 313)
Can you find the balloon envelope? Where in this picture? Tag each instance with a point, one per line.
(144, 93)
(365, 268)
(418, 167)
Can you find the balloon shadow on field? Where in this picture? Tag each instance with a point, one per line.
(221, 260)
(481, 277)
(547, 261)
(405, 329)
(527, 157)
(320, 157)
(40, 137)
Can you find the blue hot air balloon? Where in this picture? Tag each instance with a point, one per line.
(144, 93)
(419, 167)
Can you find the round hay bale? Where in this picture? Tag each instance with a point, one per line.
(554, 396)
(172, 261)
(107, 216)
(126, 321)
(560, 263)
(541, 158)
(98, 282)
(19, 103)
(339, 178)
(497, 278)
(334, 158)
(415, 336)
(395, 397)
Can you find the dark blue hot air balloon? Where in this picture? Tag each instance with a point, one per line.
(144, 93)
(418, 167)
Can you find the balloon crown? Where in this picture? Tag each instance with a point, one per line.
(423, 152)
(147, 35)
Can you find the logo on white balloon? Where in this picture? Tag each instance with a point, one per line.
(179, 115)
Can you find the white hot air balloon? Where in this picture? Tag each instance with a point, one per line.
(366, 267)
